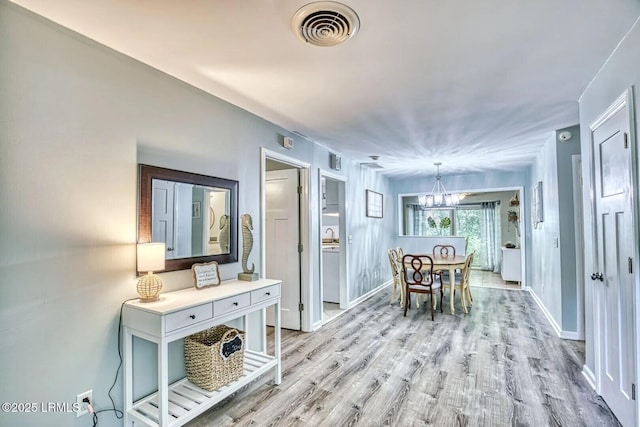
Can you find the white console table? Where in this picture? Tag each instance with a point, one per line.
(181, 313)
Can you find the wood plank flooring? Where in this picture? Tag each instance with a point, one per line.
(499, 365)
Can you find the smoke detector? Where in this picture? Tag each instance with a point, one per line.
(565, 135)
(325, 23)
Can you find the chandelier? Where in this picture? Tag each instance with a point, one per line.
(439, 195)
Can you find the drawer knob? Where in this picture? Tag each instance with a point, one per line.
(268, 293)
(235, 303)
(193, 316)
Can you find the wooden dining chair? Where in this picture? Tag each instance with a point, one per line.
(444, 251)
(417, 272)
(400, 255)
(467, 288)
(461, 282)
(396, 272)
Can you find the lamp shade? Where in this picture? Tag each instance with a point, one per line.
(151, 256)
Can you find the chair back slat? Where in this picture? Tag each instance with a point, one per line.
(394, 260)
(444, 250)
(467, 268)
(417, 269)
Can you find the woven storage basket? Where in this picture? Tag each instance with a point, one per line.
(214, 357)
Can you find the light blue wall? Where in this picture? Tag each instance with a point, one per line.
(75, 119)
(553, 256)
(567, 224)
(621, 71)
(371, 237)
(545, 256)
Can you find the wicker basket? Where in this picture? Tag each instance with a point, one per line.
(214, 357)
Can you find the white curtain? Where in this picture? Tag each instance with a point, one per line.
(409, 221)
(416, 221)
(490, 255)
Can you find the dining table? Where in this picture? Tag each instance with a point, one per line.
(450, 263)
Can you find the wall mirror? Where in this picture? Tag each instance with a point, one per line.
(196, 216)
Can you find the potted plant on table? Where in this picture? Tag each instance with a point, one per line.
(439, 225)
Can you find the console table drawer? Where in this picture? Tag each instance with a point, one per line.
(269, 292)
(188, 317)
(234, 303)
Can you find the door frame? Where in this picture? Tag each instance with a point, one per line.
(344, 232)
(624, 100)
(576, 165)
(305, 221)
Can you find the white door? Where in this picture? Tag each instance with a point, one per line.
(613, 283)
(162, 214)
(282, 238)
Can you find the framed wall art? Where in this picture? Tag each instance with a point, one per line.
(374, 204)
(537, 207)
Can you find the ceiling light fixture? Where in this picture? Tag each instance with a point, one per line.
(373, 164)
(439, 195)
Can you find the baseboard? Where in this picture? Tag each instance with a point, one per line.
(589, 376)
(570, 335)
(567, 335)
(369, 294)
(317, 325)
(550, 319)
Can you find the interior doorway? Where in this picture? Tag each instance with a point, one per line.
(333, 245)
(285, 235)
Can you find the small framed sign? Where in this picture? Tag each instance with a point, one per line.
(206, 274)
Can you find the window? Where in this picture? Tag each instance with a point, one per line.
(420, 221)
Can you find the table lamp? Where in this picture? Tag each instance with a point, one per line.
(150, 259)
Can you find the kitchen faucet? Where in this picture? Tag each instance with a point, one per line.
(333, 233)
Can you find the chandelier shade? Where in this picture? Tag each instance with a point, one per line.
(439, 196)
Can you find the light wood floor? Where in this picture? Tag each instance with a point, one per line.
(488, 279)
(500, 365)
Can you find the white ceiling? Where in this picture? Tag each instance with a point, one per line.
(474, 84)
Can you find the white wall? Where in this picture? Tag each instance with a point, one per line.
(75, 119)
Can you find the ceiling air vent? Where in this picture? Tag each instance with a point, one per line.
(325, 23)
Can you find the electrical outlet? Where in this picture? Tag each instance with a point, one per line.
(82, 406)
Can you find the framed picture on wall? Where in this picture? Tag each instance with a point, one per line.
(374, 204)
(537, 211)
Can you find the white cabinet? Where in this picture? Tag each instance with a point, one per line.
(331, 275)
(181, 313)
(511, 265)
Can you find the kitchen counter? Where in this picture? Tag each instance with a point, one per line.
(331, 247)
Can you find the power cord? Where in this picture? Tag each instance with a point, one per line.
(119, 414)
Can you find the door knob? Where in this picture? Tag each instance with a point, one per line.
(597, 276)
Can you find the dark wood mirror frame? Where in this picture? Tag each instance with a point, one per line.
(148, 173)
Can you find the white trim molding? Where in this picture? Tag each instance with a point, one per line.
(567, 335)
